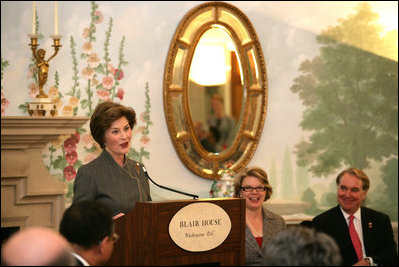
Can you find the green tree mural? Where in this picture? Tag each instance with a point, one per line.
(351, 95)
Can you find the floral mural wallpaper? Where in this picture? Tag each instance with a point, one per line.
(332, 70)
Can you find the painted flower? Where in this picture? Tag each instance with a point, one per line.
(108, 82)
(53, 92)
(67, 110)
(69, 173)
(76, 136)
(87, 141)
(74, 101)
(88, 73)
(93, 60)
(70, 145)
(103, 95)
(60, 141)
(118, 74)
(4, 104)
(110, 68)
(145, 140)
(86, 33)
(143, 116)
(33, 90)
(71, 157)
(87, 47)
(141, 129)
(98, 17)
(120, 93)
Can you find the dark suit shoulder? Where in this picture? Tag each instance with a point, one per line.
(328, 214)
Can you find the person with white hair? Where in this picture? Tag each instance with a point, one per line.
(37, 246)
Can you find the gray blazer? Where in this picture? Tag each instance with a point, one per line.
(105, 181)
(272, 224)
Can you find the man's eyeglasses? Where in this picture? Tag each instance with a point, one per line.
(250, 188)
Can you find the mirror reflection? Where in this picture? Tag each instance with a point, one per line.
(215, 90)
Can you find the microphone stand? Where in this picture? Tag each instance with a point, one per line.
(167, 188)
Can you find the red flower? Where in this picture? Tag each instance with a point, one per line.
(71, 157)
(120, 93)
(118, 74)
(70, 145)
(69, 173)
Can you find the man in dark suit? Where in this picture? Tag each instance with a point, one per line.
(88, 227)
(372, 229)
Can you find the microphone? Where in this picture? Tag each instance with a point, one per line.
(167, 188)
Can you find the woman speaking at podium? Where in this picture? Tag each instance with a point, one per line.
(112, 178)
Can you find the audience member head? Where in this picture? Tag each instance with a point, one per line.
(301, 246)
(37, 246)
(88, 226)
(104, 115)
(256, 172)
(353, 184)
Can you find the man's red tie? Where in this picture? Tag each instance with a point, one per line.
(355, 238)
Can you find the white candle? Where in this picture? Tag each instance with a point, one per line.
(55, 18)
(34, 17)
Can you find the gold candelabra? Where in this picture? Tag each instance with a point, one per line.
(43, 103)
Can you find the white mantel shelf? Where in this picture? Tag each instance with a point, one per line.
(30, 196)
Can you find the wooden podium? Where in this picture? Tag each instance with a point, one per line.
(145, 240)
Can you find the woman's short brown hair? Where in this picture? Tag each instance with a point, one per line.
(255, 172)
(104, 115)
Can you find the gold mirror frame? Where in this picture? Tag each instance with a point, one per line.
(175, 89)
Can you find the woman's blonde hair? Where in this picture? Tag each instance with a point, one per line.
(255, 172)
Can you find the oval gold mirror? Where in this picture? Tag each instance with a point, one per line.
(215, 89)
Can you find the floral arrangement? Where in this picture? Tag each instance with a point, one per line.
(225, 186)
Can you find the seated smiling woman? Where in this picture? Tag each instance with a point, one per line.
(261, 224)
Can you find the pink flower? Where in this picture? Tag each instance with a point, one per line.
(118, 74)
(33, 90)
(86, 33)
(120, 93)
(87, 141)
(103, 95)
(145, 140)
(70, 145)
(143, 116)
(99, 17)
(108, 82)
(69, 173)
(87, 47)
(4, 104)
(71, 157)
(111, 68)
(93, 60)
(141, 129)
(88, 73)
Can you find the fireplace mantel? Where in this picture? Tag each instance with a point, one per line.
(30, 196)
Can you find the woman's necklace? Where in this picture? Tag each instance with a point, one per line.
(253, 229)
